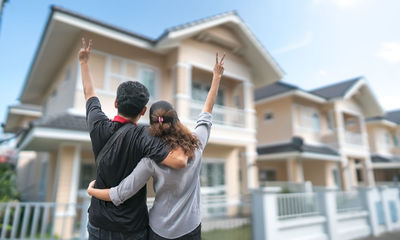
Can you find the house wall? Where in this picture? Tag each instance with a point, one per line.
(377, 139)
(278, 166)
(278, 129)
(318, 172)
(60, 95)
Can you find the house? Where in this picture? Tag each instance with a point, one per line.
(383, 135)
(56, 160)
(318, 136)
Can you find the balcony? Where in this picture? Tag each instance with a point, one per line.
(222, 115)
(353, 138)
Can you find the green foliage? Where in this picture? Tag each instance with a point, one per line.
(240, 233)
(8, 186)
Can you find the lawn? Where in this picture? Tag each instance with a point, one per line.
(240, 233)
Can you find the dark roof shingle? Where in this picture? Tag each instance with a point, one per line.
(335, 90)
(272, 90)
(297, 145)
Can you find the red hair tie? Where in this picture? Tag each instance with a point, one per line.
(160, 119)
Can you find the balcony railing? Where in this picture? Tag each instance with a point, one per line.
(353, 138)
(221, 114)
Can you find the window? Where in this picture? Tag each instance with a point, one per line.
(359, 175)
(387, 138)
(200, 91)
(87, 174)
(268, 116)
(212, 175)
(266, 175)
(329, 120)
(336, 177)
(316, 122)
(395, 140)
(237, 101)
(148, 78)
(119, 70)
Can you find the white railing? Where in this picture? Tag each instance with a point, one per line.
(43, 220)
(221, 114)
(49, 220)
(348, 202)
(353, 138)
(294, 205)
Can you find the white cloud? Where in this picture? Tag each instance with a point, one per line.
(322, 73)
(307, 39)
(390, 52)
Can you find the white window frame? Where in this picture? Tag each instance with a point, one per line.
(107, 74)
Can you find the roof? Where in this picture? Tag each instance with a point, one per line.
(45, 63)
(336, 90)
(101, 23)
(62, 121)
(383, 159)
(297, 145)
(272, 90)
(392, 116)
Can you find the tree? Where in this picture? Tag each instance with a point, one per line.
(8, 186)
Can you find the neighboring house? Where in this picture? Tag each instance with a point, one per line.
(318, 136)
(384, 141)
(177, 66)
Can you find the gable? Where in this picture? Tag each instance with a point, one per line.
(221, 36)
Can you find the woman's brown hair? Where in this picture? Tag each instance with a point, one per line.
(164, 123)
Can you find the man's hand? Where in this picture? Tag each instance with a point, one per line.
(219, 67)
(91, 187)
(84, 52)
(176, 159)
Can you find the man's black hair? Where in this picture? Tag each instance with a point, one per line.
(132, 97)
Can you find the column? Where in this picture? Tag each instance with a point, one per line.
(327, 200)
(265, 215)
(67, 180)
(368, 172)
(181, 75)
(232, 181)
(248, 104)
(252, 173)
(345, 173)
(294, 168)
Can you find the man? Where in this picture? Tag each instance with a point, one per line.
(129, 220)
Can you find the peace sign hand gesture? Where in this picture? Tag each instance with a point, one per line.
(219, 66)
(84, 52)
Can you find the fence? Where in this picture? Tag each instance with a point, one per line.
(44, 220)
(348, 201)
(297, 205)
(325, 215)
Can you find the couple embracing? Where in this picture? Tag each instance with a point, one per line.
(127, 155)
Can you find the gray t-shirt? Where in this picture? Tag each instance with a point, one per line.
(176, 209)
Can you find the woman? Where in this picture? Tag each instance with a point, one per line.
(176, 210)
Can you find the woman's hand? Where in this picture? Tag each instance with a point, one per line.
(219, 67)
(84, 52)
(91, 187)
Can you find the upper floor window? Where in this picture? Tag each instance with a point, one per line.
(387, 138)
(395, 140)
(268, 116)
(329, 120)
(200, 91)
(118, 70)
(148, 78)
(316, 122)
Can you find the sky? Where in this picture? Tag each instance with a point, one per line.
(316, 42)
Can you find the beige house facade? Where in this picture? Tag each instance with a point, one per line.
(318, 136)
(384, 135)
(55, 157)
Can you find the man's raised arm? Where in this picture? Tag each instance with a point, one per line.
(83, 57)
(212, 94)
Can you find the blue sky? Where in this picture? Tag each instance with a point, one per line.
(316, 42)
